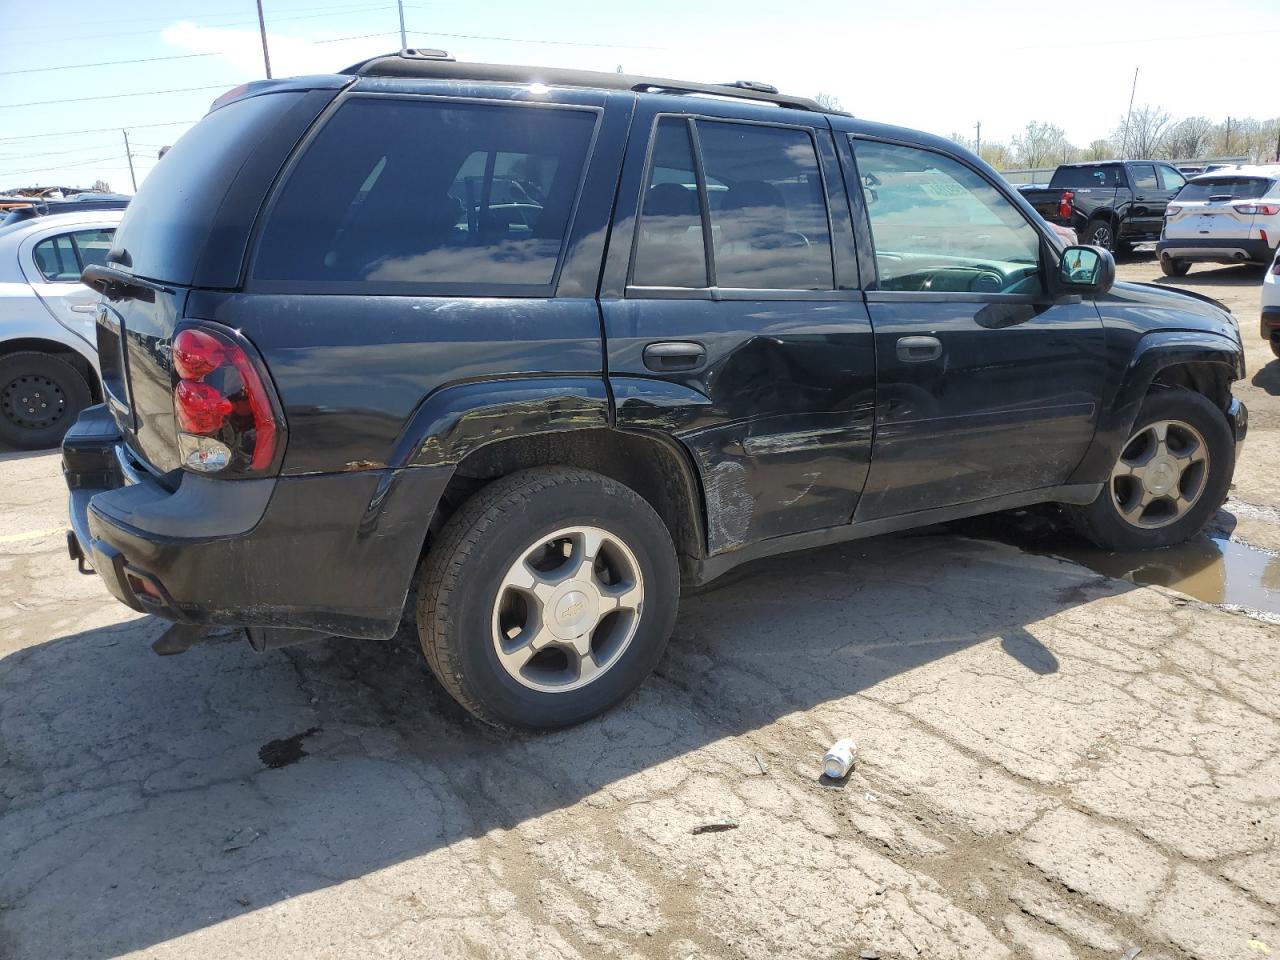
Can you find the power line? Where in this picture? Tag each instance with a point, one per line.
(558, 43)
(78, 133)
(60, 166)
(105, 63)
(117, 96)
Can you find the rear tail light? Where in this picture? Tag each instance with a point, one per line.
(1065, 203)
(1173, 210)
(226, 410)
(1258, 209)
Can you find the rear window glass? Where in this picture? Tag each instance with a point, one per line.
(1226, 188)
(1084, 177)
(402, 192)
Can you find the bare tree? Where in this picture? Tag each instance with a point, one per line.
(1143, 132)
(101, 186)
(827, 101)
(1099, 150)
(1189, 138)
(1041, 145)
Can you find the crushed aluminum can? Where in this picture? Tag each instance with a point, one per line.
(839, 759)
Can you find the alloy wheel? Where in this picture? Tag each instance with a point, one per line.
(1162, 472)
(567, 609)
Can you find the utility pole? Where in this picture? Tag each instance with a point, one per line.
(978, 138)
(262, 29)
(129, 153)
(404, 44)
(1124, 147)
(1227, 146)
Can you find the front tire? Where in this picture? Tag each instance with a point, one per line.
(1172, 475)
(1174, 268)
(40, 398)
(548, 598)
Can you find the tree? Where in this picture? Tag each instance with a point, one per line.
(101, 186)
(1041, 145)
(1189, 139)
(1099, 150)
(1142, 132)
(997, 154)
(827, 101)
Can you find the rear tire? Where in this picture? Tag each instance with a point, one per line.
(1174, 268)
(1099, 234)
(41, 396)
(1172, 475)
(548, 598)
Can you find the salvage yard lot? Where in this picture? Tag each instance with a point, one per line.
(1051, 764)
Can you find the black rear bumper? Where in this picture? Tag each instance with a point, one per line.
(329, 552)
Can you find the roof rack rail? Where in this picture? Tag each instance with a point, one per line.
(437, 64)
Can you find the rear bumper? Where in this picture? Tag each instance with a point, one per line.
(1217, 250)
(331, 552)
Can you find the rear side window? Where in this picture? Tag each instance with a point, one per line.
(1083, 178)
(411, 193)
(764, 204)
(1144, 176)
(61, 259)
(1227, 188)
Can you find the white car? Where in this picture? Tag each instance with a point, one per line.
(48, 354)
(1231, 216)
(1271, 305)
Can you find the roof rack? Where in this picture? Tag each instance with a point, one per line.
(437, 64)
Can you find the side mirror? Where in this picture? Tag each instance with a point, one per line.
(1087, 271)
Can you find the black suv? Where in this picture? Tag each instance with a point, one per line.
(537, 347)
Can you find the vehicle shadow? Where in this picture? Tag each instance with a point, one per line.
(162, 796)
(1268, 378)
(1233, 275)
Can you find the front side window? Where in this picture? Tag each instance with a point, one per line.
(1170, 179)
(1144, 176)
(414, 192)
(61, 259)
(940, 227)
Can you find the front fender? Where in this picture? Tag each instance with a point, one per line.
(1154, 352)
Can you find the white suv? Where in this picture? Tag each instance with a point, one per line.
(1271, 305)
(1229, 216)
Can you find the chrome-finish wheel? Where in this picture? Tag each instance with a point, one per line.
(1161, 473)
(567, 609)
(1101, 236)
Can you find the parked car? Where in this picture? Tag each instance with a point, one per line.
(1231, 217)
(1271, 305)
(739, 325)
(1112, 204)
(48, 355)
(80, 203)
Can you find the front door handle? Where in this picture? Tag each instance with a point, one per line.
(674, 355)
(919, 349)
(84, 308)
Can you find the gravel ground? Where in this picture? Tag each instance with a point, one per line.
(1052, 764)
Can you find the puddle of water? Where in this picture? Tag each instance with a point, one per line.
(1214, 569)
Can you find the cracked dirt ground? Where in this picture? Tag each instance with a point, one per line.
(1052, 764)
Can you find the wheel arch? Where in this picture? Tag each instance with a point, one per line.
(82, 362)
(1194, 360)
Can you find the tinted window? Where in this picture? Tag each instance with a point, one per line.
(669, 247)
(1226, 188)
(92, 245)
(1170, 179)
(417, 192)
(938, 226)
(56, 259)
(1085, 177)
(1144, 176)
(769, 224)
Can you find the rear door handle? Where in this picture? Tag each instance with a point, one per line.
(84, 308)
(919, 349)
(674, 355)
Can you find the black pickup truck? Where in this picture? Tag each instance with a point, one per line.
(1112, 203)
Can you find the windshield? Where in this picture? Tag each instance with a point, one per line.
(1226, 188)
(1085, 177)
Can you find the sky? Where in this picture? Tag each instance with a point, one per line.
(936, 65)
